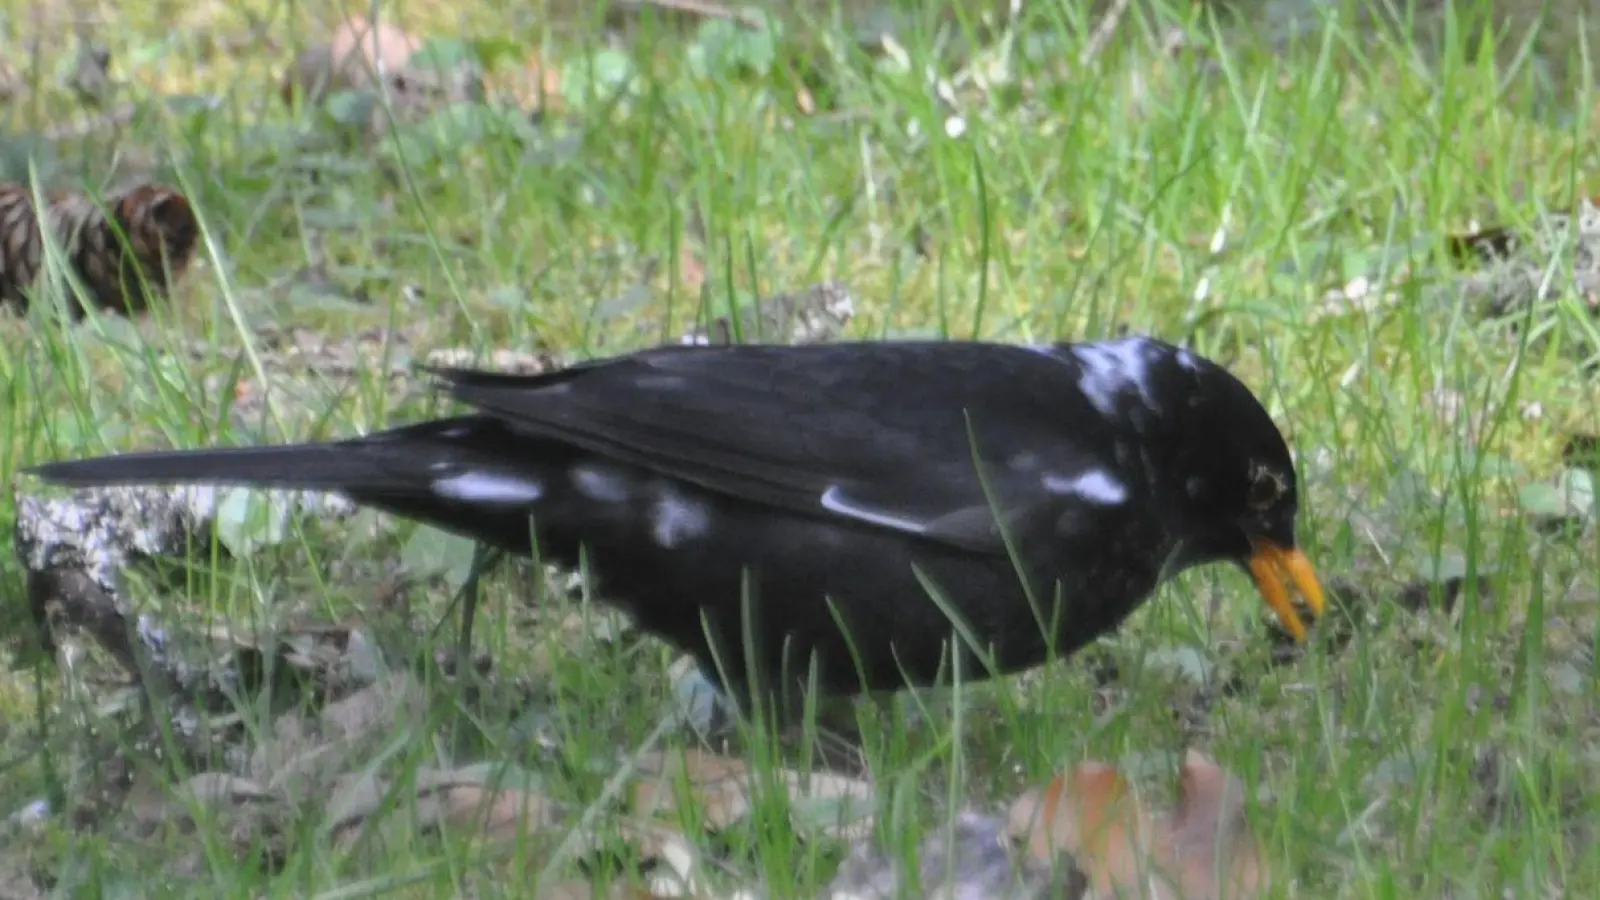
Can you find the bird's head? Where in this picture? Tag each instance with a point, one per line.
(1229, 478)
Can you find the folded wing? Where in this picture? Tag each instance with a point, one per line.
(879, 433)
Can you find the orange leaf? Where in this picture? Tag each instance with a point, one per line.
(1090, 813)
(1207, 829)
(1200, 850)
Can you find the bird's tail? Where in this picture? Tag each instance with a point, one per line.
(318, 466)
(470, 474)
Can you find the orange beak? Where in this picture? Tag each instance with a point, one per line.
(1272, 566)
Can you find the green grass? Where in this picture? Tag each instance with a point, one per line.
(1437, 754)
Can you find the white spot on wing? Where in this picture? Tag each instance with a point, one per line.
(1095, 485)
(488, 487)
(834, 501)
(1111, 367)
(599, 484)
(679, 519)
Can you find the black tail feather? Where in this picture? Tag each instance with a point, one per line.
(322, 466)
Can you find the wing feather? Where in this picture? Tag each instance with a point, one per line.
(874, 432)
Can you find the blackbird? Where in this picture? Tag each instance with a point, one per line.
(865, 508)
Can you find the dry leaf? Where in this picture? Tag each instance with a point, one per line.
(349, 60)
(720, 788)
(465, 801)
(383, 46)
(1092, 814)
(1208, 825)
(1127, 850)
(497, 814)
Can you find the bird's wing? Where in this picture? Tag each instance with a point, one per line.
(874, 432)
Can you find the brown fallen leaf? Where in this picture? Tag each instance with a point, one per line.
(1199, 850)
(721, 789)
(350, 58)
(249, 818)
(381, 59)
(498, 814)
(1208, 825)
(1092, 814)
(718, 786)
(470, 803)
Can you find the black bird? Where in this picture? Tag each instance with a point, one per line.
(835, 484)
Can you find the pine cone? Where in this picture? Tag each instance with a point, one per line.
(154, 220)
(21, 249)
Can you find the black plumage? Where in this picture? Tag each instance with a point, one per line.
(835, 484)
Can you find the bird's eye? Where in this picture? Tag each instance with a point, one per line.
(1265, 488)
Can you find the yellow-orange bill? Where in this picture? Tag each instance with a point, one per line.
(1268, 566)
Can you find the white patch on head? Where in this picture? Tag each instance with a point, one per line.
(488, 487)
(679, 519)
(834, 501)
(1095, 485)
(1110, 368)
(599, 484)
